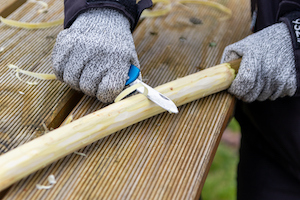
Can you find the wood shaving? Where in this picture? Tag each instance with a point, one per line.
(212, 4)
(51, 180)
(159, 12)
(28, 25)
(31, 74)
(168, 7)
(42, 3)
(129, 90)
(81, 154)
(45, 127)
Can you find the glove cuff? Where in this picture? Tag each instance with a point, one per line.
(128, 8)
(97, 19)
(292, 20)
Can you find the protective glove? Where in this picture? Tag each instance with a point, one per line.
(94, 55)
(267, 69)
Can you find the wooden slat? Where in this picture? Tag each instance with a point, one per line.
(23, 115)
(166, 156)
(8, 6)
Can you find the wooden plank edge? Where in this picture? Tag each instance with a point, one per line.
(64, 108)
(228, 117)
(11, 7)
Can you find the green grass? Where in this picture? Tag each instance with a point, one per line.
(234, 125)
(221, 180)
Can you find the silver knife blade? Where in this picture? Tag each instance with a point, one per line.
(157, 97)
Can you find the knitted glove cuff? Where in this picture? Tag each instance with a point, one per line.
(101, 18)
(129, 8)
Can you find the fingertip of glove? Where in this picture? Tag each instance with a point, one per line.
(107, 94)
(111, 86)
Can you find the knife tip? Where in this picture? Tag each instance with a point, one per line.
(173, 110)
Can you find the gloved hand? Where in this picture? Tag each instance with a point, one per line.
(267, 69)
(94, 55)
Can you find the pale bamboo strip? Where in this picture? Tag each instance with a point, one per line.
(42, 151)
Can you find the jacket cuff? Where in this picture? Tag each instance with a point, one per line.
(129, 8)
(292, 20)
(288, 6)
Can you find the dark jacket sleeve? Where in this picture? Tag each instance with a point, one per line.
(129, 8)
(289, 13)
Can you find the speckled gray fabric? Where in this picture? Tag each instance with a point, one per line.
(95, 53)
(267, 70)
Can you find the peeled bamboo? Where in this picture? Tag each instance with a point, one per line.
(40, 152)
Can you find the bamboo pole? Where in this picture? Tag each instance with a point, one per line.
(38, 153)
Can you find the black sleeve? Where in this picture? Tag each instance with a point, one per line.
(129, 8)
(289, 13)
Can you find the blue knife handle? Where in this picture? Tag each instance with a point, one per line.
(133, 74)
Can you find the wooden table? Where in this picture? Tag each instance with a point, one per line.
(163, 157)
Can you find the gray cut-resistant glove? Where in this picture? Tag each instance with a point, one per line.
(94, 55)
(267, 69)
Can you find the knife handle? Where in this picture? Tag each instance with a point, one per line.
(133, 74)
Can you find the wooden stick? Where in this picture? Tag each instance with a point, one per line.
(40, 152)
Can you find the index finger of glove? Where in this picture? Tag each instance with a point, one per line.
(61, 52)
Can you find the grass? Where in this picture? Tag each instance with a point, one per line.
(221, 180)
(234, 125)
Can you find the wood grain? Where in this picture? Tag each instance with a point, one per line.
(164, 157)
(25, 108)
(8, 6)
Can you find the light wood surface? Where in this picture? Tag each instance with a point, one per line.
(164, 157)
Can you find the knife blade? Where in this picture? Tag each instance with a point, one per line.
(153, 94)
